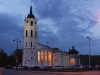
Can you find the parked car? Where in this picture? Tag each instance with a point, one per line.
(19, 67)
(45, 67)
(88, 67)
(42, 67)
(48, 67)
(35, 67)
(25, 67)
(9, 67)
(68, 67)
(97, 67)
(81, 67)
(58, 67)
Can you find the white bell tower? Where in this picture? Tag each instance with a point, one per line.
(30, 41)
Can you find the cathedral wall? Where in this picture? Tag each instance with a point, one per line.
(29, 56)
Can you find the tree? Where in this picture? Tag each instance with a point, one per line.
(18, 53)
(3, 59)
(12, 58)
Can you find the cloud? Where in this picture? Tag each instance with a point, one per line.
(62, 23)
(9, 29)
(67, 21)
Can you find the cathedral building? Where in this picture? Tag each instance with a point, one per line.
(35, 53)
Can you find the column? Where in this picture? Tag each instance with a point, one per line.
(47, 57)
(40, 58)
(51, 59)
(43, 58)
(68, 61)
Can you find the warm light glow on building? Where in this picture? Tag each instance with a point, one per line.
(72, 61)
(45, 58)
(67, 60)
(49, 58)
(39, 58)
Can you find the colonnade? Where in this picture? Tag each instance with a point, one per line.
(45, 58)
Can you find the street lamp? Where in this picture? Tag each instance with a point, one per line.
(89, 49)
(17, 40)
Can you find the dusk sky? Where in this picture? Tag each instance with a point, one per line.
(63, 23)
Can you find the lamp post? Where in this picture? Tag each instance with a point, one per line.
(17, 40)
(89, 50)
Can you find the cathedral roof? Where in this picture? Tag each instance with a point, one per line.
(73, 51)
(30, 15)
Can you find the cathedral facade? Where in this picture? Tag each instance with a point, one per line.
(35, 53)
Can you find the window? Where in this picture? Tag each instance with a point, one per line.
(31, 44)
(35, 53)
(31, 33)
(27, 21)
(25, 62)
(26, 33)
(35, 22)
(35, 33)
(31, 23)
(26, 44)
(27, 52)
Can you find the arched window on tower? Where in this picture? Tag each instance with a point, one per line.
(31, 23)
(35, 33)
(31, 44)
(26, 33)
(31, 33)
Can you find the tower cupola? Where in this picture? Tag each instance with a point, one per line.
(30, 15)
